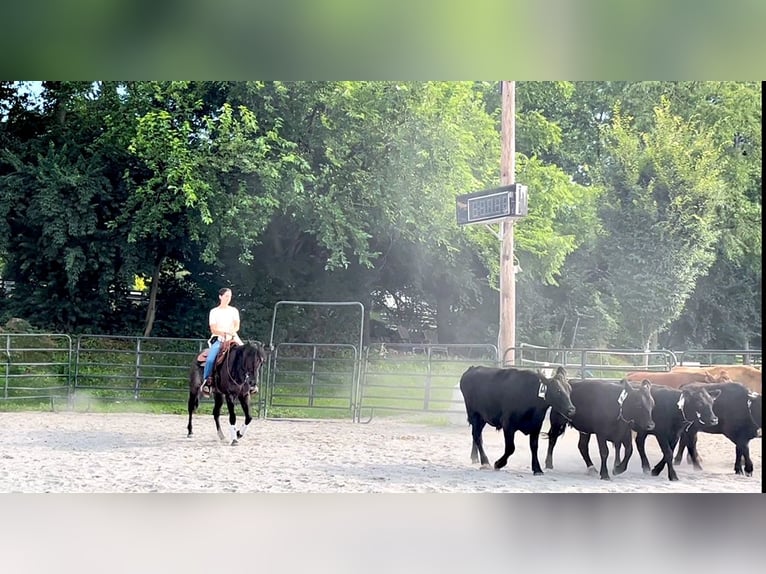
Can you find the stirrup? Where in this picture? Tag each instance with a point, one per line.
(206, 388)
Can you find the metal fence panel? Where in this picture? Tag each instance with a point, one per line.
(35, 367)
(301, 379)
(119, 368)
(401, 378)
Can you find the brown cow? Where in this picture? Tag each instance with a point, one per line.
(676, 379)
(745, 374)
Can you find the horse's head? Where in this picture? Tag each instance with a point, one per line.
(254, 355)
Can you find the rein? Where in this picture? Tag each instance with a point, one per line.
(248, 376)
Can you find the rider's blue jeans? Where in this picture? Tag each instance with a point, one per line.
(212, 354)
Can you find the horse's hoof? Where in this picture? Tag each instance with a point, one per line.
(239, 434)
(234, 442)
(538, 473)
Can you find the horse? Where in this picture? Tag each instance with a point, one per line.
(236, 374)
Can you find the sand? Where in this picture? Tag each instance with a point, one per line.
(67, 452)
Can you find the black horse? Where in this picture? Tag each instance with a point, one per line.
(235, 376)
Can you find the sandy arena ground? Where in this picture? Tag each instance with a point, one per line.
(66, 452)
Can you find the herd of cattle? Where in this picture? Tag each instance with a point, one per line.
(672, 406)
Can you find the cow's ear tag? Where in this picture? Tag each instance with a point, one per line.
(681, 402)
(541, 390)
(622, 396)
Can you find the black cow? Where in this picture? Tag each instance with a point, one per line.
(739, 412)
(609, 410)
(514, 400)
(674, 411)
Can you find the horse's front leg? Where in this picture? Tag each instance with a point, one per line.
(217, 404)
(232, 419)
(245, 402)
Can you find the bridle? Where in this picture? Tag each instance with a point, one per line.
(248, 376)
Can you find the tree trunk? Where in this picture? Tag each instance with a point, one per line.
(151, 309)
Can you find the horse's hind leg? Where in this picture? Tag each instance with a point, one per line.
(192, 405)
(195, 381)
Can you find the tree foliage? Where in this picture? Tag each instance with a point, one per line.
(643, 226)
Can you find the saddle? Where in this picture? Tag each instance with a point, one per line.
(225, 346)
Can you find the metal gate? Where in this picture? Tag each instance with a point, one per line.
(313, 379)
(402, 378)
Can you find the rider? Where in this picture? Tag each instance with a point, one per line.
(224, 324)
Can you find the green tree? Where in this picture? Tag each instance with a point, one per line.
(664, 190)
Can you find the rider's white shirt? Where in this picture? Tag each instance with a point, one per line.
(225, 319)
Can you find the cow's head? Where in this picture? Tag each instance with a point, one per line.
(721, 376)
(636, 405)
(755, 405)
(556, 392)
(696, 405)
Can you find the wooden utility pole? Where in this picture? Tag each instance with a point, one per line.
(507, 333)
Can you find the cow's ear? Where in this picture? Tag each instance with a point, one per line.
(646, 384)
(714, 394)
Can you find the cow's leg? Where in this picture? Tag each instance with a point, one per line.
(510, 446)
(232, 419)
(641, 448)
(217, 404)
(748, 461)
(582, 446)
(622, 466)
(554, 432)
(534, 440)
(742, 451)
(691, 446)
(682, 440)
(477, 445)
(603, 451)
(667, 458)
(617, 453)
